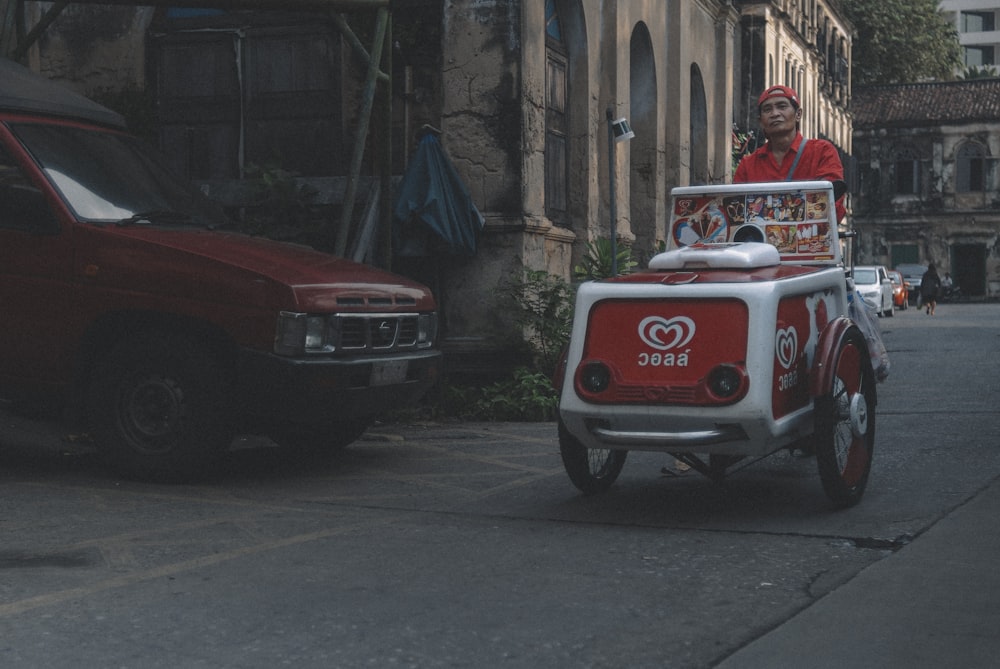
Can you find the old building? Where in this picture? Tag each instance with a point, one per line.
(523, 93)
(805, 44)
(929, 192)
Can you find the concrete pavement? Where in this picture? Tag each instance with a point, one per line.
(934, 603)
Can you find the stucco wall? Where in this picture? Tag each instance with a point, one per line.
(494, 127)
(92, 47)
(937, 221)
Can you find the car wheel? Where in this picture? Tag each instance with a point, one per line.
(160, 408)
(592, 470)
(845, 423)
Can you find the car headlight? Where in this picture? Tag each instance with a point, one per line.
(299, 333)
(427, 325)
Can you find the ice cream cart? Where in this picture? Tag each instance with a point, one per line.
(743, 338)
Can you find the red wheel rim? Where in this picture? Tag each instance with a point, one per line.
(851, 450)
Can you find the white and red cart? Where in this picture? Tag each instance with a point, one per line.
(736, 342)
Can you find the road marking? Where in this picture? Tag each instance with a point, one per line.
(31, 603)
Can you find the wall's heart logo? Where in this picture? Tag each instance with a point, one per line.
(664, 334)
(786, 346)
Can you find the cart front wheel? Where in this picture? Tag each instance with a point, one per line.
(845, 423)
(592, 470)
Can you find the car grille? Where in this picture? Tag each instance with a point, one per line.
(379, 333)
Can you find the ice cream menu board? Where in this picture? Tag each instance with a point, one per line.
(796, 222)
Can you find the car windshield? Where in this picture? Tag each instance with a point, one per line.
(107, 177)
(864, 275)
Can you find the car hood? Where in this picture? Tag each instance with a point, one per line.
(227, 267)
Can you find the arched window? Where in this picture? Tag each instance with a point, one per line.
(970, 168)
(556, 119)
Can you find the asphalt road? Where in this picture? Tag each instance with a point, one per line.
(461, 545)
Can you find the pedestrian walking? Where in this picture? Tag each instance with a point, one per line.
(930, 286)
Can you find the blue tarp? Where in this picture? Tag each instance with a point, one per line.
(432, 198)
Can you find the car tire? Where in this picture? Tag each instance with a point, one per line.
(160, 408)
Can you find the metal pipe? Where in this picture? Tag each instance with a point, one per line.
(611, 183)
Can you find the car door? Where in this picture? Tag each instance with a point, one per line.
(35, 291)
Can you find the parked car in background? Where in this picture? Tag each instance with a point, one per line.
(872, 281)
(900, 294)
(127, 301)
(912, 274)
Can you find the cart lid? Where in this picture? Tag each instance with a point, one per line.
(741, 255)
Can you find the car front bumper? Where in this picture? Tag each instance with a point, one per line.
(318, 390)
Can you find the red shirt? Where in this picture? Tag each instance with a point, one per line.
(819, 161)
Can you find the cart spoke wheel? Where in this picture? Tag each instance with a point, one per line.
(845, 423)
(592, 470)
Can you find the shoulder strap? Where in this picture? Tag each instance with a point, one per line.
(798, 156)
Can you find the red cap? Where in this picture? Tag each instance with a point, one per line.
(779, 91)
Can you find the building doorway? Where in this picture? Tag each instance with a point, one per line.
(968, 268)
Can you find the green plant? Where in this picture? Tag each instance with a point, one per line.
(528, 395)
(543, 303)
(596, 263)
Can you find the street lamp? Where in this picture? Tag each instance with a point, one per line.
(618, 131)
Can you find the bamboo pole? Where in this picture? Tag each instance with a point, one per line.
(364, 120)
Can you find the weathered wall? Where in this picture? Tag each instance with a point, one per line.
(494, 128)
(93, 47)
(938, 219)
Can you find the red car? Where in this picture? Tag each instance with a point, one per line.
(125, 298)
(900, 293)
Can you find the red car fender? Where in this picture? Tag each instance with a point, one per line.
(821, 374)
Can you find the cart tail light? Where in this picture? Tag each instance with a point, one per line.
(595, 377)
(727, 382)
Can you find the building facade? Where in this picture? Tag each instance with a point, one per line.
(805, 44)
(523, 94)
(930, 187)
(976, 22)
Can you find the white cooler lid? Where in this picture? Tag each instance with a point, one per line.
(740, 255)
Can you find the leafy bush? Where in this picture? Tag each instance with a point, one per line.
(596, 264)
(527, 396)
(543, 303)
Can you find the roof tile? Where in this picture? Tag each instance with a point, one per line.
(926, 103)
